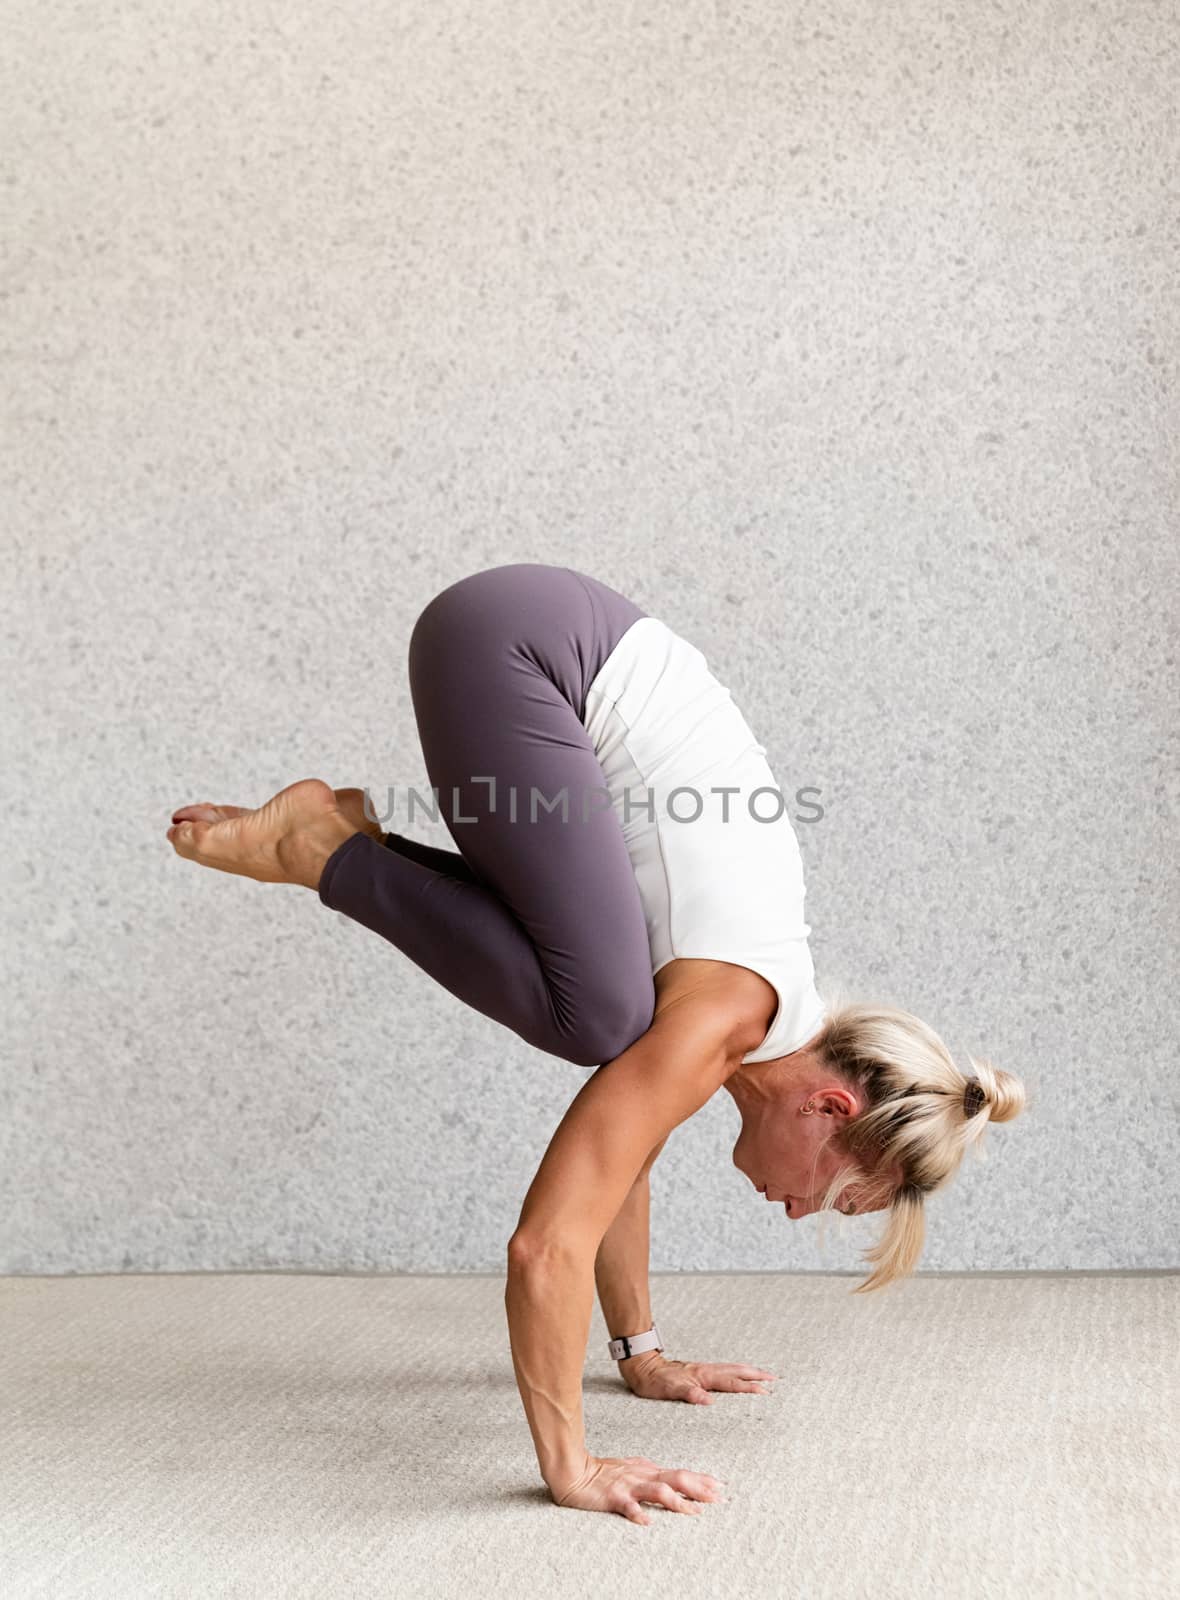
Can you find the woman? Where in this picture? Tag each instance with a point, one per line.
(624, 897)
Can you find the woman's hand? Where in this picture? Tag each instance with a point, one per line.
(654, 1378)
(620, 1483)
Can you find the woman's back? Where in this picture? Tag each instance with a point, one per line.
(714, 853)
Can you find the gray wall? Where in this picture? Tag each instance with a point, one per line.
(842, 337)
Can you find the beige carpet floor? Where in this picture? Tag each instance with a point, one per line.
(291, 1435)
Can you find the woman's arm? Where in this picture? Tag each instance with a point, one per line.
(621, 1265)
(621, 1269)
(548, 1298)
(612, 1126)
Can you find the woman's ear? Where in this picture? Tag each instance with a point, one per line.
(835, 1100)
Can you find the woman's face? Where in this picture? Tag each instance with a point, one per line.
(788, 1149)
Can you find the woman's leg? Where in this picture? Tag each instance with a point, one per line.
(449, 862)
(537, 922)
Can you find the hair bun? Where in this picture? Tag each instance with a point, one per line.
(1008, 1096)
(1001, 1092)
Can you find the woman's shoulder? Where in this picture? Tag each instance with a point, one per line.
(746, 998)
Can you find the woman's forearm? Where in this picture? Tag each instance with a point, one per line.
(621, 1265)
(549, 1297)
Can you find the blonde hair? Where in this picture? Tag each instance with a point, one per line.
(915, 1118)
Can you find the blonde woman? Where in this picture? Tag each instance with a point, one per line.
(628, 895)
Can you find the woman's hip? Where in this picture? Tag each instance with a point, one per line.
(486, 632)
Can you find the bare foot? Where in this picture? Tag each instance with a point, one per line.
(287, 840)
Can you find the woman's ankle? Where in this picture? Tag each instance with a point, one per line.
(305, 852)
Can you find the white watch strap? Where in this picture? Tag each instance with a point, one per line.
(635, 1344)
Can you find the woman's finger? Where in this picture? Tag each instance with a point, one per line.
(663, 1494)
(729, 1381)
(696, 1394)
(694, 1485)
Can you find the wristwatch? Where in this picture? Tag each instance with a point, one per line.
(634, 1344)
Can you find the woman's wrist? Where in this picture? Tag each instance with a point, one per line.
(563, 1472)
(631, 1365)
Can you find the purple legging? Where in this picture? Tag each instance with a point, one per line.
(536, 923)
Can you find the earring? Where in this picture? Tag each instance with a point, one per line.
(808, 1108)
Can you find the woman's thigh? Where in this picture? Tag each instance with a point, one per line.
(499, 666)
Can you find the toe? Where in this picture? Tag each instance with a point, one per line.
(205, 812)
(188, 836)
(178, 837)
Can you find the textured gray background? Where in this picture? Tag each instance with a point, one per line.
(843, 337)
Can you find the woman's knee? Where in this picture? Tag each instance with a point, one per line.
(605, 1030)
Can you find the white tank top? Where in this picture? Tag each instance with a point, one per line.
(711, 889)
